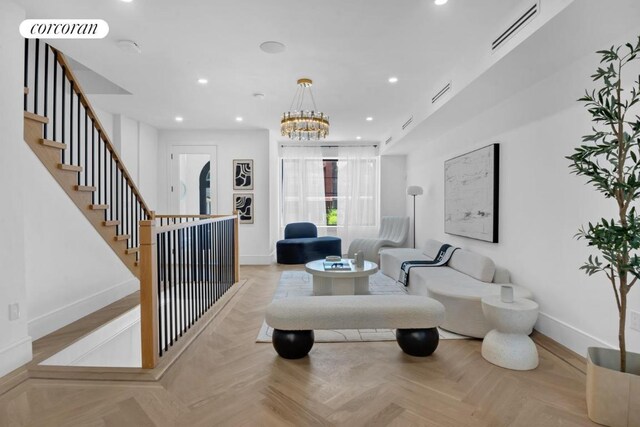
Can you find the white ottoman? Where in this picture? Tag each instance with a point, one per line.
(508, 344)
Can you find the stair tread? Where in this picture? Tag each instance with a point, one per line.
(110, 223)
(70, 168)
(122, 237)
(53, 144)
(131, 251)
(87, 188)
(36, 117)
(99, 207)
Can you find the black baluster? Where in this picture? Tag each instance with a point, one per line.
(64, 102)
(159, 271)
(26, 72)
(55, 96)
(46, 89)
(35, 79)
(71, 122)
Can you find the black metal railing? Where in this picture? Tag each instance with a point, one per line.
(195, 265)
(55, 93)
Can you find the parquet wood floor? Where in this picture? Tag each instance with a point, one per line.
(227, 379)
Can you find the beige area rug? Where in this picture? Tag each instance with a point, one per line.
(299, 283)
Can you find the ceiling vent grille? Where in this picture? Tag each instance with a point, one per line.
(407, 123)
(441, 93)
(523, 20)
(388, 141)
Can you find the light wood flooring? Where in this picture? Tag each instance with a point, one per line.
(225, 378)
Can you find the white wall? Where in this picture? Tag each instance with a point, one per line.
(70, 270)
(541, 204)
(393, 186)
(15, 342)
(255, 239)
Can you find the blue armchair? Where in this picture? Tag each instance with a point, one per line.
(301, 244)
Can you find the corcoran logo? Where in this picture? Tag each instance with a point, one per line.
(64, 29)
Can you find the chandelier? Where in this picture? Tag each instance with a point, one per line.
(304, 124)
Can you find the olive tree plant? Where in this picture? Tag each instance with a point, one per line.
(609, 158)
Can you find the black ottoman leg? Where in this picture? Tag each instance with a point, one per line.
(418, 342)
(292, 344)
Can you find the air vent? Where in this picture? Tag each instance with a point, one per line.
(388, 140)
(523, 20)
(440, 93)
(407, 123)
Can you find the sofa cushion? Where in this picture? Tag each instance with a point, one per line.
(475, 265)
(391, 260)
(431, 248)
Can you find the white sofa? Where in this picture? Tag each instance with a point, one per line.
(459, 286)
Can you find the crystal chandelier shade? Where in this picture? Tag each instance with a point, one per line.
(301, 124)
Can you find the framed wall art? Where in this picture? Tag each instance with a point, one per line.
(243, 174)
(243, 203)
(471, 194)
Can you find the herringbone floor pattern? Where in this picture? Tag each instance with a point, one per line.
(226, 379)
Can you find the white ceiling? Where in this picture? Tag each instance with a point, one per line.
(349, 48)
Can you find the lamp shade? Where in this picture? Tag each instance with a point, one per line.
(414, 190)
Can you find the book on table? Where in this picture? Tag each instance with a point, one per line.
(342, 265)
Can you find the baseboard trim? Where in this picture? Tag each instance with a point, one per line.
(56, 319)
(569, 336)
(15, 355)
(256, 259)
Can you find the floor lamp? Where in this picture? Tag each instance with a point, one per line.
(414, 190)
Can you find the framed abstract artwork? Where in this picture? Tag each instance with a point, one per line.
(243, 203)
(471, 194)
(243, 174)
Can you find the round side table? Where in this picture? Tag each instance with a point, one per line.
(508, 344)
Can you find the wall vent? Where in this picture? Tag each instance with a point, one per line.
(407, 123)
(523, 20)
(440, 93)
(388, 140)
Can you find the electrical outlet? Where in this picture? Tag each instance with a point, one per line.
(634, 320)
(14, 311)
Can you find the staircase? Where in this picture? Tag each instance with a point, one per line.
(64, 132)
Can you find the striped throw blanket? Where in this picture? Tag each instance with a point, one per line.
(443, 257)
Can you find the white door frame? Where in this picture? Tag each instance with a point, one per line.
(174, 172)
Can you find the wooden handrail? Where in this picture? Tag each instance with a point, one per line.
(188, 216)
(98, 125)
(179, 225)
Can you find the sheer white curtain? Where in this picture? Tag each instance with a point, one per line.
(303, 197)
(357, 194)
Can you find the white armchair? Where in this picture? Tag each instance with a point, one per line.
(394, 231)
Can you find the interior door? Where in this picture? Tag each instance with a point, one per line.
(193, 187)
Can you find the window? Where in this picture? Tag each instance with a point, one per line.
(330, 168)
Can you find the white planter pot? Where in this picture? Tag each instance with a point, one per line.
(613, 397)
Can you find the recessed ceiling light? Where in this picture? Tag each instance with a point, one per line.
(272, 47)
(126, 1)
(258, 95)
(393, 80)
(440, 2)
(369, 119)
(203, 81)
(358, 138)
(239, 119)
(179, 119)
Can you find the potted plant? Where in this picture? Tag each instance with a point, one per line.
(609, 158)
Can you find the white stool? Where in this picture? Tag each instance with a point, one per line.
(508, 344)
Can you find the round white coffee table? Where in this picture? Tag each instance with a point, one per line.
(343, 282)
(508, 345)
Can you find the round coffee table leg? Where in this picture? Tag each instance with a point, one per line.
(418, 342)
(511, 351)
(292, 344)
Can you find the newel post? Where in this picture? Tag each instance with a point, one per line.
(236, 246)
(148, 294)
